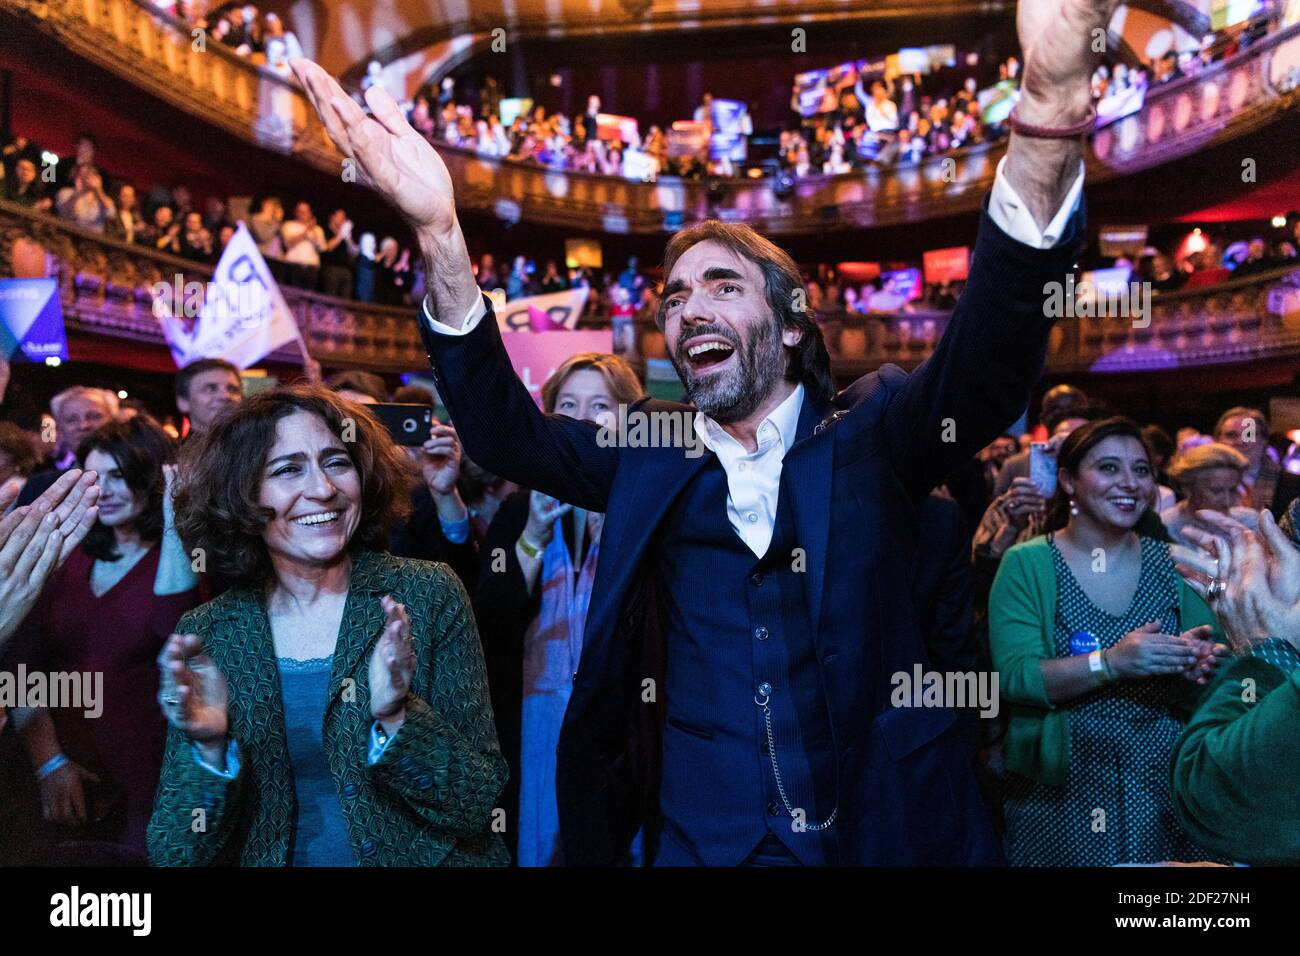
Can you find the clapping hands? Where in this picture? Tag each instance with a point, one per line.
(194, 695)
(392, 666)
(1255, 577)
(37, 538)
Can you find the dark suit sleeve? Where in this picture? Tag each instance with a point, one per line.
(978, 380)
(501, 427)
(942, 590)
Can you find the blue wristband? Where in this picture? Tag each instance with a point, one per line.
(51, 765)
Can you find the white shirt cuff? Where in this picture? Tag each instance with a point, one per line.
(1013, 217)
(475, 315)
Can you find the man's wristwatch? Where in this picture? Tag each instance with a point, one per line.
(529, 548)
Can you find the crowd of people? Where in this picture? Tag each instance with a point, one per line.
(863, 129)
(333, 257)
(496, 628)
(1215, 262)
(881, 122)
(243, 28)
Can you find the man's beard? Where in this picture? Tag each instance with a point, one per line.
(735, 395)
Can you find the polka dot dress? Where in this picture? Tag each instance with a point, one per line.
(1115, 806)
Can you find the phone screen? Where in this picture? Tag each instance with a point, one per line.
(1042, 468)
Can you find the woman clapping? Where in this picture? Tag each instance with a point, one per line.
(332, 709)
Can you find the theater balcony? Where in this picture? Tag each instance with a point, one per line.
(1180, 120)
(1249, 327)
(107, 290)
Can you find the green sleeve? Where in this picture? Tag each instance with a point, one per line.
(444, 761)
(1236, 769)
(195, 809)
(1016, 632)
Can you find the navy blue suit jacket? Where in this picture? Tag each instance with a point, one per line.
(906, 793)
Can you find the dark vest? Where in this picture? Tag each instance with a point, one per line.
(733, 623)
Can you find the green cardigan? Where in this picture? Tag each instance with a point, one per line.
(1236, 774)
(1022, 618)
(429, 798)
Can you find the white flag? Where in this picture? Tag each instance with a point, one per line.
(243, 317)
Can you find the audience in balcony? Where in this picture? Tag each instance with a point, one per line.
(520, 282)
(127, 220)
(262, 37)
(1158, 269)
(196, 242)
(24, 186)
(338, 256)
(303, 241)
(1205, 267)
(552, 281)
(366, 269)
(1260, 257)
(265, 226)
(85, 203)
(392, 273)
(890, 124)
(163, 232)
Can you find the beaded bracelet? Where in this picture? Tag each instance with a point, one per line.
(1048, 132)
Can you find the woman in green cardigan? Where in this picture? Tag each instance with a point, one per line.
(1097, 642)
(331, 709)
(1237, 767)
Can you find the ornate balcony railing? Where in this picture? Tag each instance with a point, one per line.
(1250, 319)
(1226, 100)
(107, 289)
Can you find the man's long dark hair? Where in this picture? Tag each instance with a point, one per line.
(810, 363)
(140, 448)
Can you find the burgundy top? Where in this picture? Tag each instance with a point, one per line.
(119, 634)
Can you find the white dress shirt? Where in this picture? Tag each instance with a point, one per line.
(754, 478)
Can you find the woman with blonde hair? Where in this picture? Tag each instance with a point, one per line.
(1209, 476)
(532, 610)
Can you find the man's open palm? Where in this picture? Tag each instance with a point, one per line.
(390, 155)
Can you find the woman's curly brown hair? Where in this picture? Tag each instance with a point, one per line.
(220, 479)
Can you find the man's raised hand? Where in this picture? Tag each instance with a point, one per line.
(391, 156)
(1057, 38)
(401, 165)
